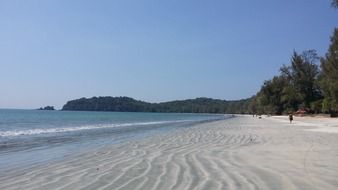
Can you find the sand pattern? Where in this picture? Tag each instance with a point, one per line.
(240, 153)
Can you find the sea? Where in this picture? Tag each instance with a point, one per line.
(34, 137)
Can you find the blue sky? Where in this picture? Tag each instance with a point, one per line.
(52, 51)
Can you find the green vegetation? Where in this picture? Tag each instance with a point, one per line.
(204, 105)
(122, 104)
(295, 87)
(126, 104)
(302, 85)
(328, 78)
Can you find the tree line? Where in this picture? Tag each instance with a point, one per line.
(127, 104)
(302, 84)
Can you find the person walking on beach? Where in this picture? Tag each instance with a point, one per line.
(290, 117)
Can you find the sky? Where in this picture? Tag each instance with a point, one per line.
(52, 51)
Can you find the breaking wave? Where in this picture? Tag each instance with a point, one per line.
(12, 133)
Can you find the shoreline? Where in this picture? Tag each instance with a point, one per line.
(92, 150)
(237, 153)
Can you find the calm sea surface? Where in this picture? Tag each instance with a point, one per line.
(30, 137)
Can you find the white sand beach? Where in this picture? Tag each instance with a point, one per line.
(240, 153)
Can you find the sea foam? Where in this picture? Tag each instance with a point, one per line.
(38, 131)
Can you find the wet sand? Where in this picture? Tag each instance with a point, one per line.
(240, 153)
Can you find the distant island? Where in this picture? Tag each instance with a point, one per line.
(127, 104)
(46, 108)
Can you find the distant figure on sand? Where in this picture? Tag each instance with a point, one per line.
(290, 117)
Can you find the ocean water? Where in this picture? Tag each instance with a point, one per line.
(32, 137)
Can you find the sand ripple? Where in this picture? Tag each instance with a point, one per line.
(240, 153)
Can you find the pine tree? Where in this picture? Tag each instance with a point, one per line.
(302, 74)
(329, 76)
